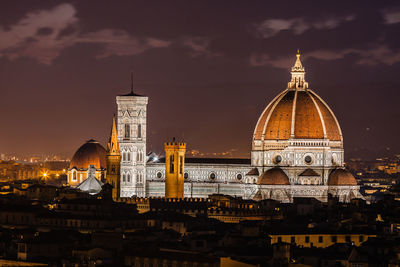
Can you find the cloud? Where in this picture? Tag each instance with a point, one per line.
(257, 60)
(271, 27)
(198, 45)
(391, 16)
(41, 35)
(374, 55)
(120, 43)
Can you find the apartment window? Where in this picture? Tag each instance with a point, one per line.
(307, 239)
(292, 239)
(348, 238)
(361, 238)
(334, 239)
(320, 239)
(279, 239)
(21, 248)
(127, 131)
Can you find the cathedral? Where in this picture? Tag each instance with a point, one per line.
(297, 151)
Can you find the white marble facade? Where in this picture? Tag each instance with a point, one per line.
(131, 127)
(204, 179)
(307, 162)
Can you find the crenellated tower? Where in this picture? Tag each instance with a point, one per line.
(174, 169)
(113, 157)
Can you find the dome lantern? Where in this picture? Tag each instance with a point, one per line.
(298, 75)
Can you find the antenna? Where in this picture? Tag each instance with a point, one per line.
(132, 82)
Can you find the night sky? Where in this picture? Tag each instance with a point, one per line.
(209, 69)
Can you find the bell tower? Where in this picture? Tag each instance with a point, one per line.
(174, 169)
(131, 129)
(113, 162)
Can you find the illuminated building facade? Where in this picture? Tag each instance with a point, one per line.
(174, 169)
(114, 162)
(298, 147)
(131, 129)
(90, 153)
(297, 151)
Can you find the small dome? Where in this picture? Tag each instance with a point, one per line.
(274, 176)
(253, 172)
(341, 177)
(90, 153)
(91, 185)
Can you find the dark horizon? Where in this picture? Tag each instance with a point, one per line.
(214, 66)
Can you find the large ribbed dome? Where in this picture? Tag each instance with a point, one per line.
(297, 113)
(90, 153)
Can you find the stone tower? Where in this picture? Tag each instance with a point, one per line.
(132, 112)
(174, 169)
(114, 162)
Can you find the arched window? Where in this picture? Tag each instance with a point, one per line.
(127, 131)
(128, 177)
(171, 164)
(139, 156)
(180, 164)
(139, 131)
(129, 156)
(123, 178)
(74, 176)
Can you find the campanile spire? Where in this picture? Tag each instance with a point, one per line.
(113, 144)
(298, 75)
